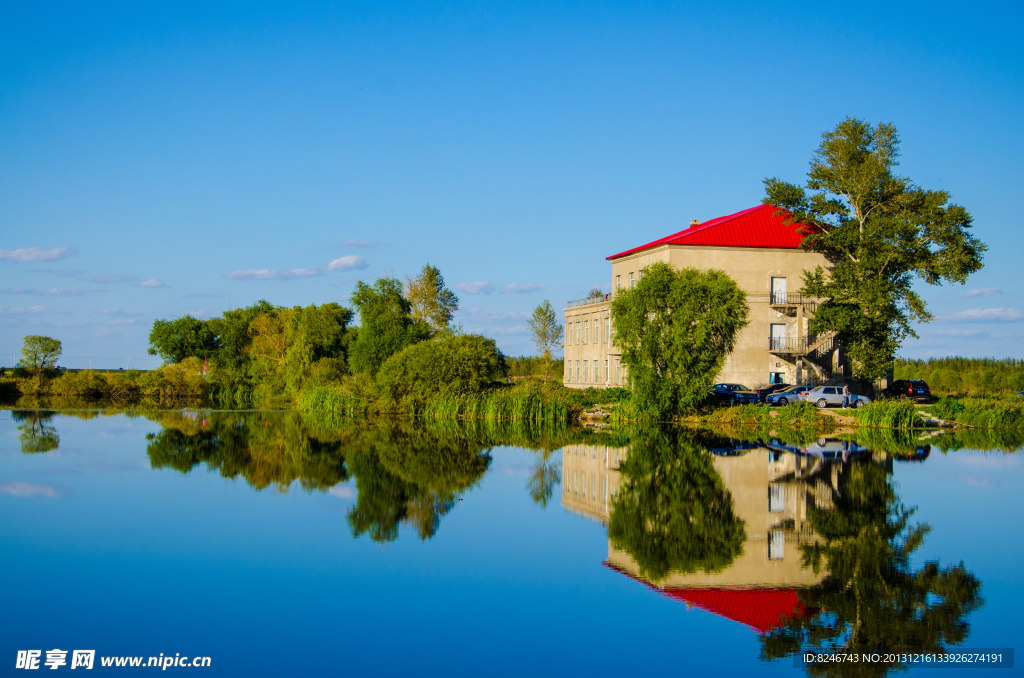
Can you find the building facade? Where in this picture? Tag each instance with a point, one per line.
(762, 254)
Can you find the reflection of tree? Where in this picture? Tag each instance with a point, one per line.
(408, 472)
(37, 431)
(544, 477)
(873, 600)
(672, 513)
(413, 473)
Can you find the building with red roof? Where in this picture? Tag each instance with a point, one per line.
(762, 253)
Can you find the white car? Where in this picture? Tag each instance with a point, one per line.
(823, 396)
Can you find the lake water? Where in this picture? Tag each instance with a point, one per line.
(277, 544)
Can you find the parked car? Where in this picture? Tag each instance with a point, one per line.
(735, 394)
(792, 394)
(908, 388)
(768, 390)
(823, 396)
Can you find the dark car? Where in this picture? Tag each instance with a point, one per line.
(791, 394)
(735, 394)
(908, 388)
(768, 390)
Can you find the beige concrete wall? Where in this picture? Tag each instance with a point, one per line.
(588, 347)
(590, 478)
(751, 363)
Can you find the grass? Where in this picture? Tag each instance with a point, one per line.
(993, 412)
(896, 414)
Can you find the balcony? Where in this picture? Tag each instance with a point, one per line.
(589, 300)
(801, 345)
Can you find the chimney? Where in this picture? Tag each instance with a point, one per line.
(694, 222)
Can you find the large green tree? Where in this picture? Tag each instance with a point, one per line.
(40, 353)
(185, 337)
(546, 333)
(879, 232)
(431, 302)
(675, 329)
(386, 324)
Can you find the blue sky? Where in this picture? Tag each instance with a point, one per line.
(156, 161)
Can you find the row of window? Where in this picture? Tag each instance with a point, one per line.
(573, 373)
(578, 486)
(577, 450)
(584, 331)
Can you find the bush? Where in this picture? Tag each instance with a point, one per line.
(457, 365)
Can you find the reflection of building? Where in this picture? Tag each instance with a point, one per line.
(590, 478)
(771, 491)
(761, 253)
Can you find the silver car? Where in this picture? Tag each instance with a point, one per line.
(823, 396)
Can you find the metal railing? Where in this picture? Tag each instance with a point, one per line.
(786, 299)
(588, 301)
(790, 344)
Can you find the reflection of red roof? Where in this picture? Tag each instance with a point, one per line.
(758, 226)
(762, 609)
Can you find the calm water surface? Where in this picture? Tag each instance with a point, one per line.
(282, 545)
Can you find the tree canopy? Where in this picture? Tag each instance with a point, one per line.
(386, 324)
(39, 353)
(675, 329)
(546, 333)
(430, 301)
(880, 233)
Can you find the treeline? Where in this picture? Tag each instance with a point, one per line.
(529, 366)
(405, 356)
(967, 376)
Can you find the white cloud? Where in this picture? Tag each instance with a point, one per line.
(475, 287)
(347, 263)
(986, 315)
(53, 292)
(37, 254)
(516, 288)
(343, 491)
(268, 274)
(109, 278)
(22, 489)
(200, 312)
(959, 333)
(152, 283)
(360, 244)
(983, 292)
(22, 310)
(118, 313)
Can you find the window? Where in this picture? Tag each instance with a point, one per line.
(577, 333)
(616, 370)
(778, 334)
(631, 282)
(778, 290)
(608, 330)
(593, 486)
(595, 330)
(606, 370)
(618, 282)
(586, 330)
(776, 544)
(829, 391)
(577, 370)
(575, 482)
(776, 498)
(568, 333)
(606, 489)
(585, 371)
(776, 378)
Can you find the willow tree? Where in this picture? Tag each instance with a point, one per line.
(675, 329)
(880, 233)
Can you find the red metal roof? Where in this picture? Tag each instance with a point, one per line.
(759, 226)
(761, 609)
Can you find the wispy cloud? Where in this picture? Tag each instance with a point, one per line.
(62, 272)
(983, 292)
(360, 244)
(475, 287)
(53, 292)
(37, 254)
(22, 489)
(516, 288)
(347, 263)
(960, 333)
(22, 310)
(986, 315)
(152, 283)
(111, 278)
(268, 274)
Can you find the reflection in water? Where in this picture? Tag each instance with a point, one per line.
(36, 431)
(808, 544)
(404, 473)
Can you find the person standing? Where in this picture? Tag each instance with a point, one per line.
(846, 396)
